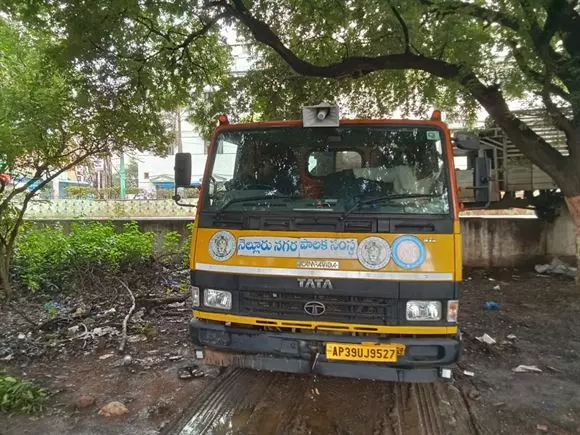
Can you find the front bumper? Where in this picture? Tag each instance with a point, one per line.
(301, 352)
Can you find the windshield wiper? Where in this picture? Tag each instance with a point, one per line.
(365, 201)
(270, 195)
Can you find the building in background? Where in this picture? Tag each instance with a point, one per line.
(156, 173)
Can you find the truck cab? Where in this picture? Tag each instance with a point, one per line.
(328, 246)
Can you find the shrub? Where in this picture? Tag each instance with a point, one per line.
(175, 248)
(47, 259)
(17, 395)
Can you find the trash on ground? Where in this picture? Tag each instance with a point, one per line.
(21, 336)
(527, 369)
(492, 306)
(511, 337)
(189, 372)
(127, 359)
(107, 330)
(106, 356)
(113, 409)
(491, 279)
(542, 427)
(497, 287)
(486, 339)
(109, 311)
(468, 373)
(556, 267)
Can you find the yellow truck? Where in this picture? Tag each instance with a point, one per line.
(327, 246)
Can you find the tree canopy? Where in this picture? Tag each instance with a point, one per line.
(449, 53)
(64, 99)
(375, 55)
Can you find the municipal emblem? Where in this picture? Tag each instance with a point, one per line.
(222, 246)
(374, 253)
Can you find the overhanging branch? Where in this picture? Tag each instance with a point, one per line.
(404, 27)
(490, 97)
(349, 66)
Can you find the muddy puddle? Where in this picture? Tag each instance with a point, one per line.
(244, 401)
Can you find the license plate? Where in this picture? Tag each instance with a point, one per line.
(364, 352)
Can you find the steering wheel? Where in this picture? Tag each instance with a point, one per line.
(258, 187)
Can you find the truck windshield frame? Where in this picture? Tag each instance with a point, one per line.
(289, 169)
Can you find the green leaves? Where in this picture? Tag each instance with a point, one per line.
(47, 259)
(17, 395)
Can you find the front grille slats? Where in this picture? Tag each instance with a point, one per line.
(339, 308)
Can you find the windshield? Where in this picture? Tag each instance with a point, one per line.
(354, 169)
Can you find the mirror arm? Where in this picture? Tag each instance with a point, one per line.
(176, 198)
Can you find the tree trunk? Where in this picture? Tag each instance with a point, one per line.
(5, 284)
(573, 203)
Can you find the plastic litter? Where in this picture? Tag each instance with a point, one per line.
(497, 287)
(486, 339)
(511, 337)
(106, 356)
(526, 369)
(468, 373)
(556, 267)
(189, 372)
(492, 306)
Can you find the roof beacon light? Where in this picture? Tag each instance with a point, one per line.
(321, 115)
(436, 115)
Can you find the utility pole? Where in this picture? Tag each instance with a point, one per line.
(122, 175)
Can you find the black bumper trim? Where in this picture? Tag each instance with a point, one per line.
(304, 353)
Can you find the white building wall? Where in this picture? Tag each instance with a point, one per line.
(151, 166)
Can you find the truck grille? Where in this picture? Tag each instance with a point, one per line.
(339, 308)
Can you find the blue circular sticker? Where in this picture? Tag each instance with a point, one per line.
(408, 252)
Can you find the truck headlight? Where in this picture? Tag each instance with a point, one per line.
(217, 299)
(194, 296)
(423, 310)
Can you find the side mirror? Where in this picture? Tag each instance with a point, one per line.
(467, 141)
(182, 170)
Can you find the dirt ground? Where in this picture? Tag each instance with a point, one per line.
(538, 314)
(543, 313)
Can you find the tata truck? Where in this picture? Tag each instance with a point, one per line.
(327, 246)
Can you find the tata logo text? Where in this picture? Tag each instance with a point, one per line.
(314, 283)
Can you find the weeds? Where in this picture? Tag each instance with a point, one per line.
(46, 259)
(18, 395)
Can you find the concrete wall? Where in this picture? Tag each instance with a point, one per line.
(487, 242)
(503, 242)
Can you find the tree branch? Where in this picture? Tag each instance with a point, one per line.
(486, 14)
(349, 66)
(533, 145)
(13, 232)
(403, 27)
(537, 76)
(560, 120)
(206, 27)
